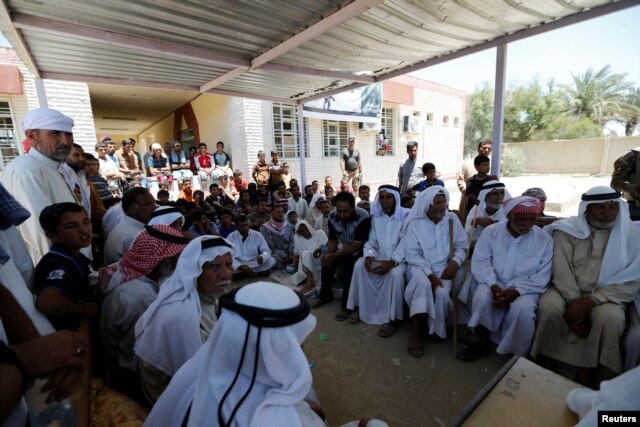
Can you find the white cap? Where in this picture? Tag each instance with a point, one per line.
(47, 118)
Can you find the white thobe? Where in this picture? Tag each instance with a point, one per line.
(120, 239)
(304, 248)
(300, 206)
(522, 263)
(427, 249)
(379, 297)
(35, 182)
(111, 219)
(109, 167)
(497, 216)
(120, 310)
(409, 174)
(16, 275)
(322, 223)
(245, 253)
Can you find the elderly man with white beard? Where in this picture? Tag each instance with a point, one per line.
(512, 265)
(179, 321)
(436, 246)
(596, 273)
(378, 278)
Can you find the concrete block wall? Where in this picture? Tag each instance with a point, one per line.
(72, 99)
(246, 123)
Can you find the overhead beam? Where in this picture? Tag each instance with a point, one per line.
(518, 35)
(330, 92)
(342, 15)
(17, 41)
(119, 82)
(252, 96)
(316, 72)
(354, 8)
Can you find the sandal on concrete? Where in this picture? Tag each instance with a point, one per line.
(415, 348)
(354, 317)
(315, 302)
(386, 330)
(342, 315)
(472, 351)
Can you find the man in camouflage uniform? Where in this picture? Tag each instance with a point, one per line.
(626, 179)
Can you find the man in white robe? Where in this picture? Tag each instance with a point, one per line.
(378, 281)
(209, 383)
(596, 273)
(512, 264)
(138, 205)
(33, 179)
(131, 290)
(179, 321)
(307, 247)
(251, 253)
(433, 262)
(489, 209)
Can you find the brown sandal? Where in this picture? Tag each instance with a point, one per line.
(415, 348)
(386, 330)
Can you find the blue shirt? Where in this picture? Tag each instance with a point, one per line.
(424, 184)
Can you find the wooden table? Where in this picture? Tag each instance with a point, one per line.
(520, 394)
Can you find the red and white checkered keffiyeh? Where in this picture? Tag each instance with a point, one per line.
(146, 253)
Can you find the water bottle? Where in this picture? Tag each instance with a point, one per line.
(43, 414)
(324, 249)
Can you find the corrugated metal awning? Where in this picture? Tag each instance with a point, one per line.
(286, 50)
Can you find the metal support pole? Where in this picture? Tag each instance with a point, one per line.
(40, 92)
(498, 108)
(303, 168)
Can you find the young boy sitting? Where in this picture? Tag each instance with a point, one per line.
(61, 281)
(482, 164)
(429, 171)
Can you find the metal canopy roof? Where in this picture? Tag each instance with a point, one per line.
(285, 50)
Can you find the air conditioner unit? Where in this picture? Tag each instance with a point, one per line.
(412, 124)
(369, 127)
(416, 124)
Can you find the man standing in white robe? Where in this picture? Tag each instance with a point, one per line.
(596, 274)
(512, 264)
(33, 179)
(433, 262)
(378, 281)
(251, 253)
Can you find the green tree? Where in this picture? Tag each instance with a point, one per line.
(479, 118)
(597, 95)
(566, 126)
(631, 111)
(530, 109)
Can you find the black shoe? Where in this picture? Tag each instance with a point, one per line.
(472, 351)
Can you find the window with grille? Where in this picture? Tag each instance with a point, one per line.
(8, 137)
(334, 137)
(386, 145)
(188, 139)
(285, 131)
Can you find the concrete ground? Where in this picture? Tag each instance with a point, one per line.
(357, 374)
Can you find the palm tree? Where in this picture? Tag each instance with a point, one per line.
(597, 95)
(631, 111)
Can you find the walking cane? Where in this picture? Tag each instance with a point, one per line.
(467, 266)
(453, 292)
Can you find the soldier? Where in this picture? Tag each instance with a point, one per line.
(626, 179)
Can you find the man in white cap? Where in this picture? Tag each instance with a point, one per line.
(512, 265)
(378, 282)
(179, 321)
(596, 272)
(34, 179)
(433, 262)
(488, 210)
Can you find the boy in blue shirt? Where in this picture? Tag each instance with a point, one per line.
(429, 171)
(61, 282)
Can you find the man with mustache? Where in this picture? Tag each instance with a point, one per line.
(596, 273)
(179, 321)
(512, 265)
(33, 178)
